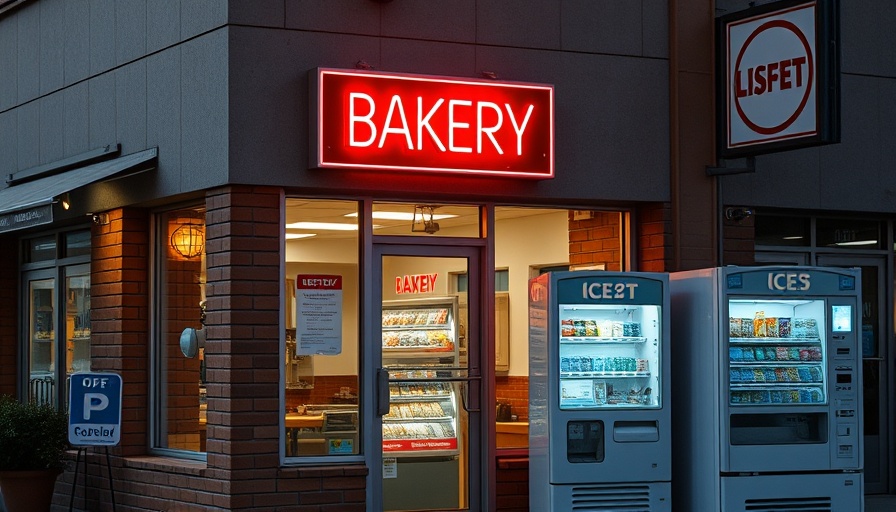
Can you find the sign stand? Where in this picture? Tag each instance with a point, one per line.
(71, 501)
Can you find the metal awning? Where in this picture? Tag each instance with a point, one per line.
(30, 203)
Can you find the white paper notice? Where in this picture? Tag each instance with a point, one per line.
(318, 314)
(390, 467)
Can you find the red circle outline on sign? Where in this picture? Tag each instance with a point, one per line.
(784, 24)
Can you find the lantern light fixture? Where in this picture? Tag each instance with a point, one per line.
(188, 239)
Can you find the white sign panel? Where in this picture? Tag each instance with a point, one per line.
(318, 314)
(771, 82)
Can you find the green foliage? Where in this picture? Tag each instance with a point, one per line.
(32, 436)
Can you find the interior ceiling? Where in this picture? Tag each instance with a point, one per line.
(465, 216)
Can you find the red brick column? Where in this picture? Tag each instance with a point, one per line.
(119, 340)
(654, 228)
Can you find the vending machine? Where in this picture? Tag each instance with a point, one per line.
(599, 407)
(768, 406)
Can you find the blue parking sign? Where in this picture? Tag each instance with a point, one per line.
(94, 409)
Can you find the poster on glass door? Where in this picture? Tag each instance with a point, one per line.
(318, 314)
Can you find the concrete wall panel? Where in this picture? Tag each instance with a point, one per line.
(519, 23)
(101, 115)
(9, 34)
(76, 42)
(446, 20)
(75, 123)
(163, 114)
(51, 132)
(130, 30)
(52, 43)
(162, 24)
(28, 53)
(130, 106)
(102, 35)
(345, 16)
(204, 112)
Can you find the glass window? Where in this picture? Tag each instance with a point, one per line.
(77, 319)
(529, 241)
(43, 351)
(426, 219)
(179, 385)
(782, 230)
(849, 234)
(77, 243)
(321, 375)
(56, 315)
(40, 249)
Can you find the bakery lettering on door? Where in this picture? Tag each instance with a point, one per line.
(417, 283)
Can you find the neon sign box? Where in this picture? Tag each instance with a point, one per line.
(401, 122)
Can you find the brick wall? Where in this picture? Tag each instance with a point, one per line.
(119, 318)
(9, 310)
(243, 363)
(595, 238)
(654, 228)
(514, 389)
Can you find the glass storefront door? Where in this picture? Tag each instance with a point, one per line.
(428, 398)
(43, 352)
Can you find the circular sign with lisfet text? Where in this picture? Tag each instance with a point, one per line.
(771, 78)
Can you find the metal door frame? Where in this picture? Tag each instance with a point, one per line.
(478, 360)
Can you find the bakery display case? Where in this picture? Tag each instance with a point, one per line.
(419, 340)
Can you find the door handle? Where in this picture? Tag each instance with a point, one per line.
(382, 391)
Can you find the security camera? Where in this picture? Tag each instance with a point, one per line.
(738, 214)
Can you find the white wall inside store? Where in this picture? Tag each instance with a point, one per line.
(521, 245)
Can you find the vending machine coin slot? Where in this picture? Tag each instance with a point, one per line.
(585, 441)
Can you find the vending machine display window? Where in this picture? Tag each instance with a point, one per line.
(776, 352)
(609, 356)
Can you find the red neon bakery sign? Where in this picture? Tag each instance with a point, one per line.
(390, 121)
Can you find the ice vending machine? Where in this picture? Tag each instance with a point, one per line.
(767, 389)
(599, 420)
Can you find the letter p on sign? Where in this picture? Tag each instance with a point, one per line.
(94, 402)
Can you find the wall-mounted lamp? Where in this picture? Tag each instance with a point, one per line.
(66, 201)
(188, 239)
(423, 219)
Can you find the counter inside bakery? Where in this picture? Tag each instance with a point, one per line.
(511, 434)
(322, 429)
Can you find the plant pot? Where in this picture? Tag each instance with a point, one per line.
(28, 491)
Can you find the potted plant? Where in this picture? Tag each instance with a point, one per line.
(33, 441)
